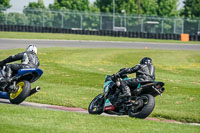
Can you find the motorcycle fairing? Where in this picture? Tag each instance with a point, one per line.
(4, 95)
(126, 78)
(30, 74)
(106, 86)
(139, 85)
(108, 105)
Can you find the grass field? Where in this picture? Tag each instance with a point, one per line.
(73, 77)
(28, 35)
(19, 119)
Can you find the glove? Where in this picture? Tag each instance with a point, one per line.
(2, 64)
(114, 77)
(122, 69)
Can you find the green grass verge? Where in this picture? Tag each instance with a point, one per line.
(28, 35)
(20, 119)
(73, 77)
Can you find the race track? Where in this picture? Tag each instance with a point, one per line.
(80, 110)
(22, 43)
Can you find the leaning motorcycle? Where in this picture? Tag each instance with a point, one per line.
(141, 104)
(19, 88)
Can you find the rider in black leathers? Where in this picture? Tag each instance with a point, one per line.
(28, 59)
(145, 72)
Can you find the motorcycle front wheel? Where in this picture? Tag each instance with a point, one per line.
(24, 88)
(96, 106)
(146, 104)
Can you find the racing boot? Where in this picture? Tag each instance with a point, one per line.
(125, 89)
(126, 92)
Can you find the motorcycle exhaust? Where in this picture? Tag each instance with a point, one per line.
(6, 95)
(34, 90)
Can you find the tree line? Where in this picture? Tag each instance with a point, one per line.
(161, 8)
(47, 16)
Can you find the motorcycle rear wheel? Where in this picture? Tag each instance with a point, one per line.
(96, 106)
(22, 93)
(148, 104)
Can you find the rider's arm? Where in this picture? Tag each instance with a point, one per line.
(14, 58)
(129, 70)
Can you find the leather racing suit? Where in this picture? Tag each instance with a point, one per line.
(144, 73)
(28, 60)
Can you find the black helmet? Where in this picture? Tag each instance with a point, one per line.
(146, 60)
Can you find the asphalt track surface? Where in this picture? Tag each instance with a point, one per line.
(22, 43)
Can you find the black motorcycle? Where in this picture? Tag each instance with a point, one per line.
(140, 106)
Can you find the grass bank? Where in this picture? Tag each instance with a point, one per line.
(20, 119)
(73, 77)
(28, 35)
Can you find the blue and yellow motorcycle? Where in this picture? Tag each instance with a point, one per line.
(19, 88)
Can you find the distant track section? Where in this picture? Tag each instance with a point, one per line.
(22, 43)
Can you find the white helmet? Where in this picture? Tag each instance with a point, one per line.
(32, 47)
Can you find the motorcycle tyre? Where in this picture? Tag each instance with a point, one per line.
(26, 88)
(99, 111)
(146, 110)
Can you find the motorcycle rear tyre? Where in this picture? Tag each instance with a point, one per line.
(146, 110)
(22, 93)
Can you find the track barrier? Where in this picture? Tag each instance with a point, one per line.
(184, 37)
(166, 36)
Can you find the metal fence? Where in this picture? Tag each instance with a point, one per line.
(98, 21)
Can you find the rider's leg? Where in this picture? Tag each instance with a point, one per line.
(125, 89)
(8, 73)
(10, 69)
(130, 83)
(126, 95)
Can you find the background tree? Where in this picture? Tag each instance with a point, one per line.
(69, 14)
(167, 8)
(140, 7)
(78, 5)
(39, 4)
(191, 9)
(37, 14)
(130, 6)
(4, 4)
(149, 7)
(16, 19)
